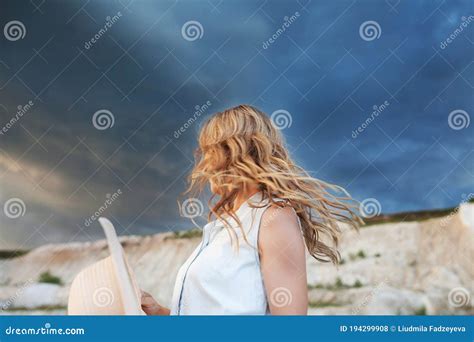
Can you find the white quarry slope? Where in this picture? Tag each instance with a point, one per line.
(393, 268)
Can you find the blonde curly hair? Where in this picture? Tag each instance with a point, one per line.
(240, 147)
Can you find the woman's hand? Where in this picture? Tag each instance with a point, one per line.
(151, 306)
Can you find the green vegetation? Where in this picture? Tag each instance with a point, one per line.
(321, 304)
(410, 216)
(420, 311)
(356, 256)
(186, 234)
(359, 255)
(10, 254)
(39, 308)
(47, 277)
(338, 285)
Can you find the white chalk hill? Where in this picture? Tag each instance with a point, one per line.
(418, 267)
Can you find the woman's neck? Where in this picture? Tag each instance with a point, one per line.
(244, 195)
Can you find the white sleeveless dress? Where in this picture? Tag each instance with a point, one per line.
(217, 279)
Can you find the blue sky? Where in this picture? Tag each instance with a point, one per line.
(320, 69)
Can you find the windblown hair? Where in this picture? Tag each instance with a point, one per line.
(241, 147)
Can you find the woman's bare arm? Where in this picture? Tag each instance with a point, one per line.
(283, 262)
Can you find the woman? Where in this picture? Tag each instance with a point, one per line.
(251, 260)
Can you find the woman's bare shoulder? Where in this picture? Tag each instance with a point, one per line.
(280, 226)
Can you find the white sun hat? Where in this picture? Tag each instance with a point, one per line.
(107, 287)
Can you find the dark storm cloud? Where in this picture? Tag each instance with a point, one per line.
(151, 79)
